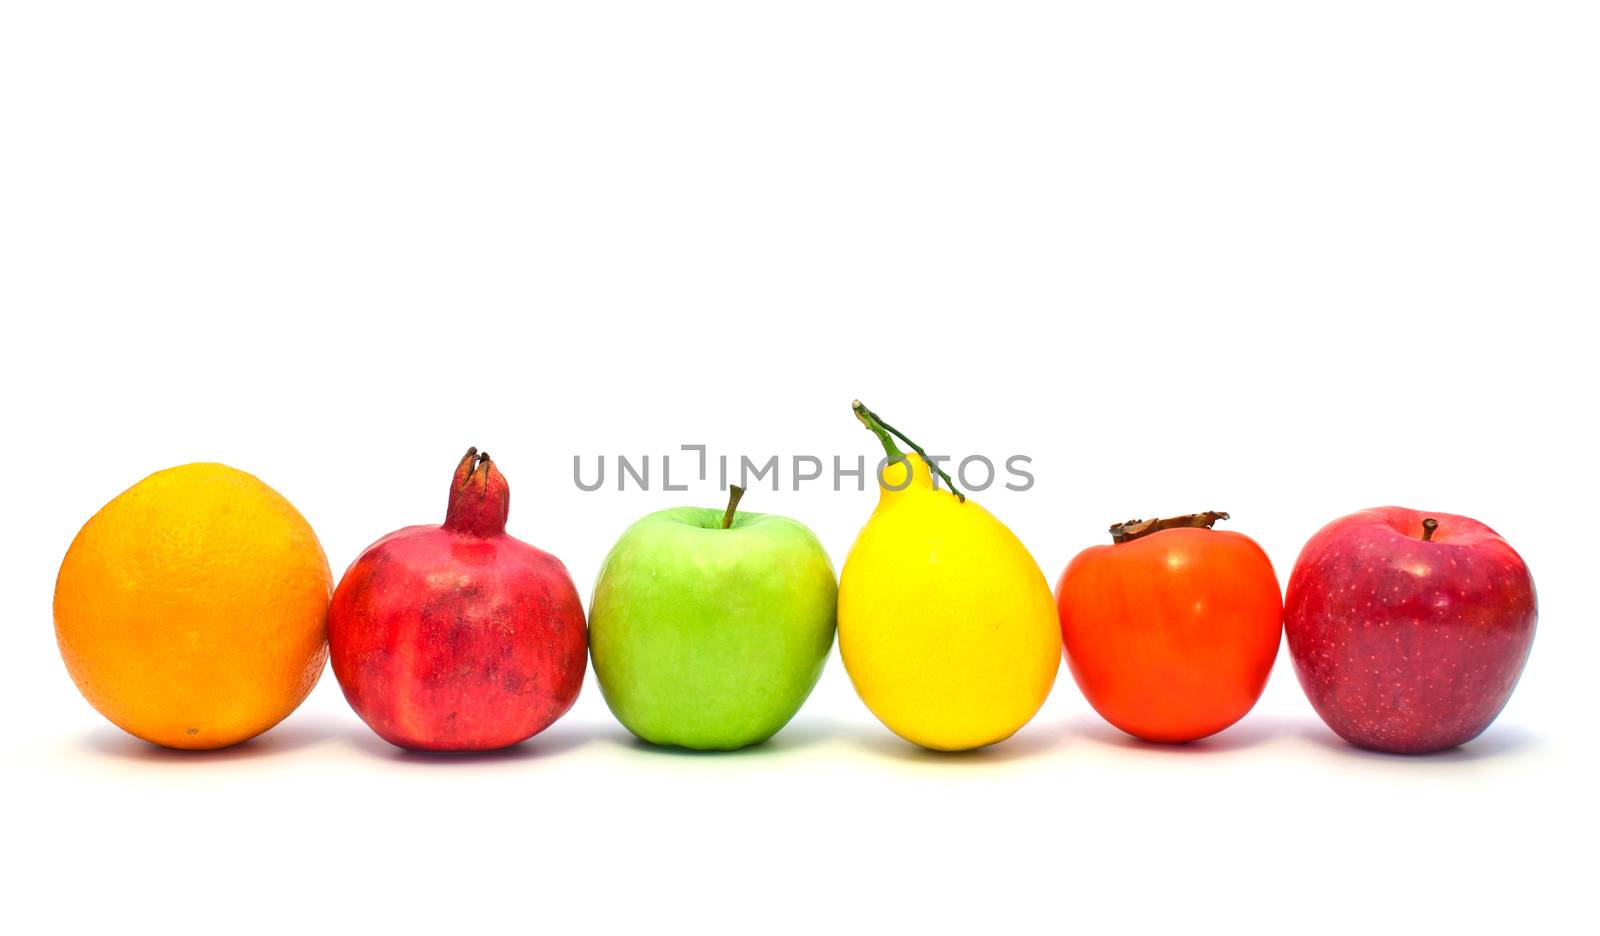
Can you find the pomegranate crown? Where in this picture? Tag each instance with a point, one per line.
(480, 498)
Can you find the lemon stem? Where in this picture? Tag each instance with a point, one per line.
(884, 431)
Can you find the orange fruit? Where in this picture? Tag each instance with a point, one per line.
(192, 610)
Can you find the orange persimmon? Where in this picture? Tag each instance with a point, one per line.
(1171, 630)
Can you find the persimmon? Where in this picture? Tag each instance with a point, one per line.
(1172, 629)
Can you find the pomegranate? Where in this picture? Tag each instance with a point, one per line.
(459, 637)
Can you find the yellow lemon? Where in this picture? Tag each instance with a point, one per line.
(946, 625)
(192, 610)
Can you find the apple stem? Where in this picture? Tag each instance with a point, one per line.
(1428, 526)
(734, 493)
(1134, 529)
(884, 431)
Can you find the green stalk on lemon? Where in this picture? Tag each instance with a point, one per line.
(946, 624)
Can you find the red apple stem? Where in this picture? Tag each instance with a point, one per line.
(734, 493)
(883, 431)
(1428, 526)
(1134, 529)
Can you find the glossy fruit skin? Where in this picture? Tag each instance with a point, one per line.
(946, 625)
(458, 637)
(1171, 636)
(191, 610)
(710, 638)
(1404, 645)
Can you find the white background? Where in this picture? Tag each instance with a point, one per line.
(1283, 259)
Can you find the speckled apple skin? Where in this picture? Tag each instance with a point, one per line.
(1405, 645)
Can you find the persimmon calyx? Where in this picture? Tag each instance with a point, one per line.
(1133, 529)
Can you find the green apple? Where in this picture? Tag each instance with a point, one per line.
(710, 628)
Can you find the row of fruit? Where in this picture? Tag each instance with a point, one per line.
(196, 610)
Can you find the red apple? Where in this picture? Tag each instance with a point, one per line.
(1409, 629)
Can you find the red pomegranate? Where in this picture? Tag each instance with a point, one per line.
(458, 637)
